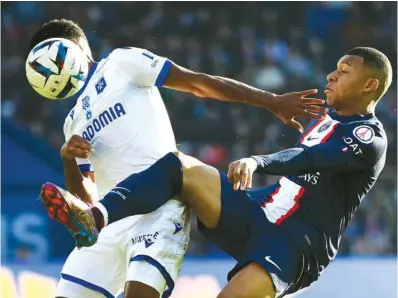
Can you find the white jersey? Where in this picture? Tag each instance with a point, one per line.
(121, 113)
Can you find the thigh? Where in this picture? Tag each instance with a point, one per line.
(201, 189)
(274, 251)
(233, 230)
(252, 281)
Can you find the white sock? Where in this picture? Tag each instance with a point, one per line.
(103, 211)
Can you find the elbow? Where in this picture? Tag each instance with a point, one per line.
(199, 92)
(200, 85)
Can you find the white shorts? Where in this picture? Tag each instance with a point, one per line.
(145, 248)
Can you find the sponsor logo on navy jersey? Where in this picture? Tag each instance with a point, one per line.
(353, 145)
(149, 239)
(103, 120)
(311, 178)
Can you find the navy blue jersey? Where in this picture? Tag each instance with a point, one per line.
(324, 177)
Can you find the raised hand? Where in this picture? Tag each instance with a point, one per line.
(288, 106)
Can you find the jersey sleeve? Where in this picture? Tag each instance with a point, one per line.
(84, 165)
(353, 147)
(142, 67)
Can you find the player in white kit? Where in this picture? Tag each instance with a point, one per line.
(120, 126)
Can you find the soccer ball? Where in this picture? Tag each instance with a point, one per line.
(57, 68)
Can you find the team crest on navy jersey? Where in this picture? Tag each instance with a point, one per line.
(325, 126)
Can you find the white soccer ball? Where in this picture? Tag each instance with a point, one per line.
(57, 68)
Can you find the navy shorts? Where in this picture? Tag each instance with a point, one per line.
(245, 233)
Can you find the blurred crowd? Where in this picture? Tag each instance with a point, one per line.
(275, 46)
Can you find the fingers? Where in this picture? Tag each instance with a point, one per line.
(312, 101)
(78, 152)
(297, 125)
(236, 177)
(231, 170)
(312, 115)
(316, 109)
(76, 147)
(249, 181)
(240, 175)
(307, 92)
(79, 142)
(244, 175)
(82, 146)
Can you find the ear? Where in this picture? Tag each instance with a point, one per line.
(371, 85)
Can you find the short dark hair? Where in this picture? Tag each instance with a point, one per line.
(57, 28)
(377, 61)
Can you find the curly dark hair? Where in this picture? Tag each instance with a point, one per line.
(57, 28)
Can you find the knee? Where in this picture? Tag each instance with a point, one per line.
(192, 169)
(188, 162)
(135, 289)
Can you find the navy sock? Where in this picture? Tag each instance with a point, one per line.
(146, 191)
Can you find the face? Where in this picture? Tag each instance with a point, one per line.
(348, 83)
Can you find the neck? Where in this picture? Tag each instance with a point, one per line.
(359, 109)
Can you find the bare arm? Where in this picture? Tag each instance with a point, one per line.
(286, 106)
(207, 86)
(77, 183)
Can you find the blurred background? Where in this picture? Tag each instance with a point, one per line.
(276, 46)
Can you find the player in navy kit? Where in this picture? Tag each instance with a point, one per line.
(282, 236)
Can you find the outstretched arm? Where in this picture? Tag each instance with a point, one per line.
(286, 106)
(345, 151)
(146, 69)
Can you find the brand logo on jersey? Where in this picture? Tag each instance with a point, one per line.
(268, 259)
(311, 178)
(86, 106)
(325, 126)
(154, 63)
(178, 227)
(149, 239)
(103, 120)
(100, 86)
(310, 138)
(364, 134)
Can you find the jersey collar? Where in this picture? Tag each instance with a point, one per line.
(351, 118)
